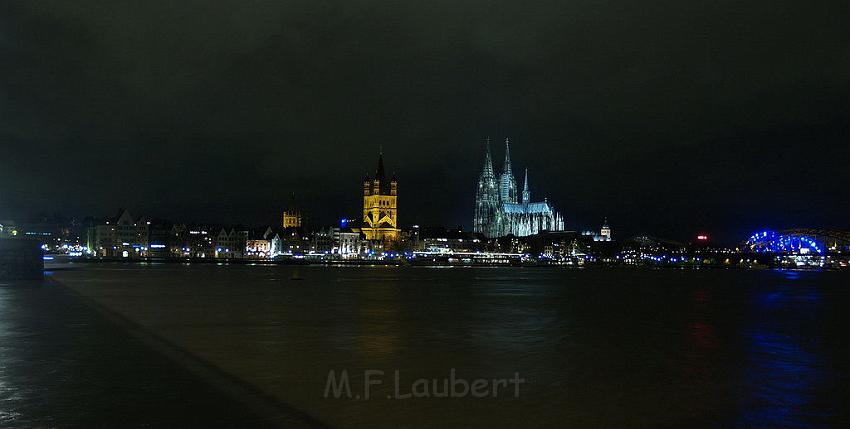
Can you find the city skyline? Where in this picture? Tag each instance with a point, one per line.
(349, 206)
(221, 117)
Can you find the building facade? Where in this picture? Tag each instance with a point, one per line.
(500, 210)
(232, 244)
(258, 248)
(275, 241)
(192, 241)
(380, 198)
(342, 243)
(121, 236)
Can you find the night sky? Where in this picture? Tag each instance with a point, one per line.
(669, 117)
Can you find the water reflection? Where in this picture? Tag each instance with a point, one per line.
(712, 348)
(702, 340)
(378, 321)
(785, 371)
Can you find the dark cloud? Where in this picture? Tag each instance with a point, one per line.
(665, 116)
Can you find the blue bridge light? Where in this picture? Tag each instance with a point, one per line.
(773, 242)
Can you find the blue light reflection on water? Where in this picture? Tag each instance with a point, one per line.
(785, 372)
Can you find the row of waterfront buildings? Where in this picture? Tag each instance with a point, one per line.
(125, 236)
(128, 236)
(508, 226)
(500, 210)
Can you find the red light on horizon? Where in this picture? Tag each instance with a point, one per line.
(702, 237)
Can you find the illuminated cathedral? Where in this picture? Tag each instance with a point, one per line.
(500, 210)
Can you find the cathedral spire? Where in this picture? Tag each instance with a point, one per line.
(526, 194)
(507, 167)
(379, 173)
(488, 161)
(486, 197)
(507, 183)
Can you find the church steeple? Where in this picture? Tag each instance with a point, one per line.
(488, 163)
(507, 183)
(486, 197)
(526, 194)
(379, 172)
(507, 166)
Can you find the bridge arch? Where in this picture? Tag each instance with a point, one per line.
(784, 242)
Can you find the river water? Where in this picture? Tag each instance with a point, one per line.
(593, 348)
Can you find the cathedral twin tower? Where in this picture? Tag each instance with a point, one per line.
(499, 210)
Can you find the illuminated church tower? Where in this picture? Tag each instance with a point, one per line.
(292, 215)
(507, 183)
(486, 198)
(380, 205)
